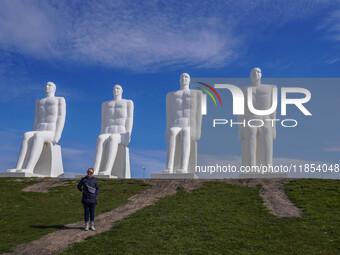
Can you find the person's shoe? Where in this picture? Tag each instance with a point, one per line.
(86, 226)
(92, 226)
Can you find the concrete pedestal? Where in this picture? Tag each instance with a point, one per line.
(266, 175)
(174, 176)
(99, 176)
(50, 164)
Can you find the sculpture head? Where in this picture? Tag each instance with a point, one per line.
(117, 91)
(184, 81)
(255, 75)
(50, 88)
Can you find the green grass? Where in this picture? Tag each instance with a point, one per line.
(220, 218)
(27, 216)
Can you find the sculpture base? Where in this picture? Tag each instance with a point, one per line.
(259, 175)
(22, 174)
(174, 176)
(99, 176)
(105, 176)
(50, 164)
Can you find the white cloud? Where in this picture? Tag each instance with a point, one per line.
(332, 149)
(119, 34)
(142, 36)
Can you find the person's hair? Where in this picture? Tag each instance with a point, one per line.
(90, 169)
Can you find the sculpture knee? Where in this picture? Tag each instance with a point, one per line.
(113, 139)
(37, 137)
(173, 133)
(186, 133)
(27, 136)
(100, 139)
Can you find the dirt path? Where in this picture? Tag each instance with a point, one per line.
(60, 239)
(45, 184)
(272, 192)
(273, 195)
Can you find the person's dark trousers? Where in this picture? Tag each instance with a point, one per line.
(89, 210)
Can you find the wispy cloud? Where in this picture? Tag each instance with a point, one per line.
(332, 149)
(124, 34)
(142, 36)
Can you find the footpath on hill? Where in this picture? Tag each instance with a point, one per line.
(272, 192)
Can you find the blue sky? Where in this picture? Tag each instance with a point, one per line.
(86, 47)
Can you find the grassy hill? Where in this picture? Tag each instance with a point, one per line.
(218, 218)
(27, 216)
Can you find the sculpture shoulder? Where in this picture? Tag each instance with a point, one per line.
(171, 93)
(174, 93)
(104, 104)
(262, 86)
(129, 102)
(244, 88)
(107, 102)
(61, 100)
(269, 85)
(196, 92)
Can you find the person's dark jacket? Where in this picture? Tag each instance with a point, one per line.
(90, 188)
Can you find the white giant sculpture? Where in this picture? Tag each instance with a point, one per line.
(183, 127)
(257, 147)
(112, 154)
(39, 154)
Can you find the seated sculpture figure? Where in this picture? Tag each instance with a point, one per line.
(257, 147)
(183, 126)
(116, 127)
(48, 125)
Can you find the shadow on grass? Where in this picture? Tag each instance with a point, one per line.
(59, 227)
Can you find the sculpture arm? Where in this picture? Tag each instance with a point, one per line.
(273, 116)
(241, 118)
(60, 119)
(128, 123)
(36, 115)
(168, 117)
(102, 127)
(198, 116)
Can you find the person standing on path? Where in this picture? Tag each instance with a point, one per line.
(90, 188)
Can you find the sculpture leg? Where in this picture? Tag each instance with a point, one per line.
(99, 152)
(250, 146)
(185, 149)
(267, 145)
(23, 150)
(113, 142)
(171, 149)
(38, 142)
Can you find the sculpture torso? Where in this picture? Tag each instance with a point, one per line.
(183, 108)
(47, 114)
(261, 98)
(114, 116)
